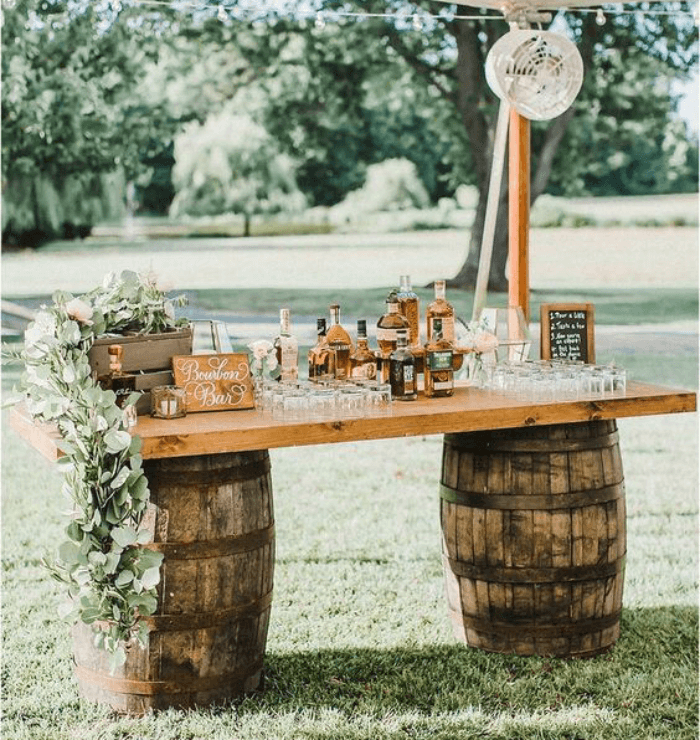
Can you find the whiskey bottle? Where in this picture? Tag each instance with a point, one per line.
(389, 324)
(402, 370)
(287, 349)
(321, 356)
(408, 307)
(441, 309)
(340, 342)
(123, 384)
(363, 363)
(438, 372)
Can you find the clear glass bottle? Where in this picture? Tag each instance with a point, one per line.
(321, 356)
(438, 372)
(402, 370)
(440, 308)
(363, 362)
(287, 348)
(409, 307)
(340, 342)
(123, 384)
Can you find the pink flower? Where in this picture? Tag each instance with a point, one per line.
(80, 311)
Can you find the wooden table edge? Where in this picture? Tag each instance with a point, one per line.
(233, 431)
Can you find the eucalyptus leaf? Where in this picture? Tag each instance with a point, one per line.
(125, 577)
(151, 578)
(69, 552)
(116, 440)
(124, 536)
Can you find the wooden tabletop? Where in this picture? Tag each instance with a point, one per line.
(470, 409)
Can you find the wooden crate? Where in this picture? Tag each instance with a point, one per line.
(147, 352)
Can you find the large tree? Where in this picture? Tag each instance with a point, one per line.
(334, 66)
(71, 104)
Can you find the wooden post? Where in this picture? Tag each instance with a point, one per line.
(519, 213)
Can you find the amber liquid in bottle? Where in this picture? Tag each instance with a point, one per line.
(402, 370)
(321, 356)
(438, 372)
(441, 309)
(123, 384)
(340, 342)
(363, 362)
(409, 307)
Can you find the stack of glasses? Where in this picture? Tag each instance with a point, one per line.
(556, 380)
(324, 401)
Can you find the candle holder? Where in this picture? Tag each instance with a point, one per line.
(168, 402)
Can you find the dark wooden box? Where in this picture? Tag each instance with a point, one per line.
(147, 352)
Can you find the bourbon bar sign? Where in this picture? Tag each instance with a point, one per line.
(214, 382)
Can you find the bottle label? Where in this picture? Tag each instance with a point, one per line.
(368, 371)
(386, 335)
(440, 360)
(448, 327)
(443, 386)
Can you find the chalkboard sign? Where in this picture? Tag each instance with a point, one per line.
(214, 382)
(567, 331)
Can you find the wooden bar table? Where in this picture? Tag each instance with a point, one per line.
(533, 521)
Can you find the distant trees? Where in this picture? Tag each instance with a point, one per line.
(91, 89)
(231, 164)
(326, 81)
(70, 111)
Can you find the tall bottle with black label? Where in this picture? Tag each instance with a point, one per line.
(287, 348)
(440, 308)
(321, 357)
(402, 370)
(438, 372)
(341, 344)
(409, 307)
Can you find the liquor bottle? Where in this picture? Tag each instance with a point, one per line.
(123, 384)
(402, 370)
(408, 307)
(363, 363)
(389, 324)
(341, 344)
(287, 349)
(438, 372)
(321, 356)
(441, 309)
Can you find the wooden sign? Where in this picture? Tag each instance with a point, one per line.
(567, 331)
(215, 382)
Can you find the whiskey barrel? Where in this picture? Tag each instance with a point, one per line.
(533, 524)
(211, 517)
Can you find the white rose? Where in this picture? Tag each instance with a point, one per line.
(80, 311)
(261, 349)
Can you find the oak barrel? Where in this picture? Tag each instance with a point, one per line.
(211, 516)
(533, 524)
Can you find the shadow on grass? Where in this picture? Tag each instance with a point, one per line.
(654, 664)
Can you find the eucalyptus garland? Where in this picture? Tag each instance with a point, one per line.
(110, 578)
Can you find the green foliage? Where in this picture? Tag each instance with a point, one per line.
(628, 126)
(232, 165)
(109, 579)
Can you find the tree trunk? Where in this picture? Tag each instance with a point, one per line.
(246, 224)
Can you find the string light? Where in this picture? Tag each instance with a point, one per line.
(221, 14)
(600, 17)
(417, 23)
(320, 21)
